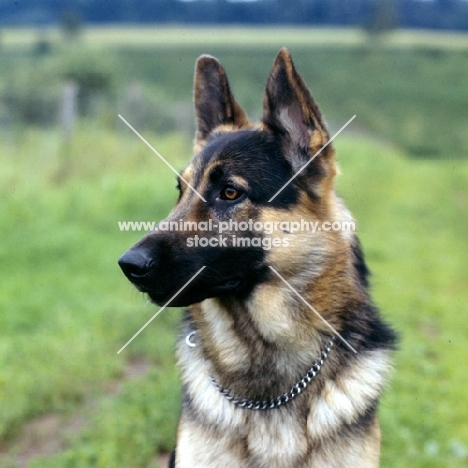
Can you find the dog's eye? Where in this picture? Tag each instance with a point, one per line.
(230, 193)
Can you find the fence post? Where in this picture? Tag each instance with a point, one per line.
(69, 109)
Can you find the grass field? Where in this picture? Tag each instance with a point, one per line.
(68, 400)
(164, 36)
(409, 89)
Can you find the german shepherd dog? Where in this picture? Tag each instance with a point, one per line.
(283, 356)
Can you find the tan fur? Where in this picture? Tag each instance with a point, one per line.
(278, 439)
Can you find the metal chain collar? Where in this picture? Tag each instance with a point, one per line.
(272, 403)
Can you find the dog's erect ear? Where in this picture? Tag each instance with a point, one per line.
(214, 103)
(290, 110)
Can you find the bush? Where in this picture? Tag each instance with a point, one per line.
(32, 98)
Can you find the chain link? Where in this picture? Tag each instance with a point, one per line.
(272, 403)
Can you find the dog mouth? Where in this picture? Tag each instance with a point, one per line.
(229, 284)
(194, 293)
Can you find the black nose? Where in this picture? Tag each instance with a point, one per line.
(136, 264)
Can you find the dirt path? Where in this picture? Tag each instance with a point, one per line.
(49, 433)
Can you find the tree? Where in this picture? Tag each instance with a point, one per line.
(71, 24)
(382, 18)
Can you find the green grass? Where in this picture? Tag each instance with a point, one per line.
(412, 219)
(409, 89)
(169, 36)
(66, 309)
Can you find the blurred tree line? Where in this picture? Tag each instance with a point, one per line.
(371, 14)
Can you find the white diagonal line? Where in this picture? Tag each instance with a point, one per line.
(312, 158)
(161, 309)
(158, 154)
(312, 309)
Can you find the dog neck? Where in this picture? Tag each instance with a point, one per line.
(238, 351)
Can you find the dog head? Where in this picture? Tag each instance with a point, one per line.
(242, 172)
